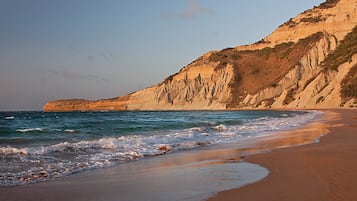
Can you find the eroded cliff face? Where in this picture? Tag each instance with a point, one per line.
(308, 84)
(196, 86)
(308, 62)
(336, 17)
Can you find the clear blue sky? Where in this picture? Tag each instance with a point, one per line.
(58, 49)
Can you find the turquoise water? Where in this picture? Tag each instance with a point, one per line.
(37, 146)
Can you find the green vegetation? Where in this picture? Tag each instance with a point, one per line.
(290, 23)
(349, 84)
(344, 51)
(349, 91)
(325, 5)
(237, 77)
(312, 19)
(286, 49)
(265, 52)
(328, 4)
(310, 41)
(235, 56)
(258, 69)
(224, 57)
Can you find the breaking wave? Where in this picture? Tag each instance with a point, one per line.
(36, 163)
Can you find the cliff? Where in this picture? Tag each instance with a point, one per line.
(308, 62)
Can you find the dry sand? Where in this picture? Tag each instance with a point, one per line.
(318, 172)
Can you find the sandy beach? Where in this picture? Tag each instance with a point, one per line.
(323, 171)
(318, 171)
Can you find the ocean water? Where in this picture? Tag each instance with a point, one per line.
(37, 146)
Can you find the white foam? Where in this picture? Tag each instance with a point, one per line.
(12, 150)
(69, 131)
(69, 157)
(9, 117)
(220, 128)
(29, 130)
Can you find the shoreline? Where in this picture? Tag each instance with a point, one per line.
(318, 171)
(103, 184)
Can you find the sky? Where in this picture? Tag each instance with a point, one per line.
(93, 49)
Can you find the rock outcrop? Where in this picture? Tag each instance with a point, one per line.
(308, 62)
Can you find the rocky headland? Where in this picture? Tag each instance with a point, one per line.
(310, 61)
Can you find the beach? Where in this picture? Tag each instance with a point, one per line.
(322, 171)
(278, 167)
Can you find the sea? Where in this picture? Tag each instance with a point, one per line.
(39, 146)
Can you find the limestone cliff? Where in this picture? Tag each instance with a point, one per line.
(308, 62)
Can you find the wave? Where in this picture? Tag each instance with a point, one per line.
(64, 158)
(9, 117)
(220, 127)
(12, 150)
(25, 130)
(70, 131)
(177, 139)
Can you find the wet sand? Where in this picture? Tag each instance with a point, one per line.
(326, 171)
(323, 171)
(189, 175)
